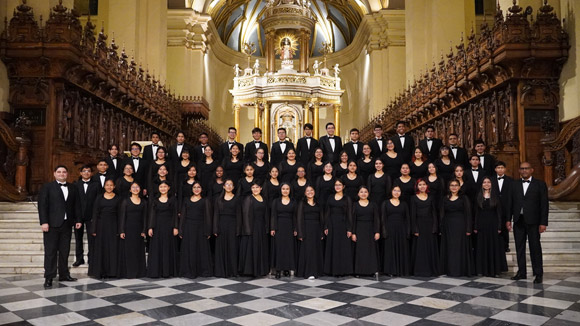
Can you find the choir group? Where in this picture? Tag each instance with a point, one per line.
(320, 208)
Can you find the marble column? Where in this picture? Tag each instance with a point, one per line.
(257, 115)
(237, 120)
(337, 119)
(316, 120)
(306, 113)
(266, 129)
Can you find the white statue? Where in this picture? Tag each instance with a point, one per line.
(336, 70)
(257, 67)
(237, 70)
(286, 52)
(316, 67)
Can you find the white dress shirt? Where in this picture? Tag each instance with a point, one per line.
(332, 143)
(65, 193)
(402, 139)
(283, 146)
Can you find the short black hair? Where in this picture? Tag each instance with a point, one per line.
(203, 133)
(430, 127)
(329, 124)
(256, 130)
(86, 166)
(138, 145)
(60, 166)
(354, 130)
(233, 128)
(111, 146)
(308, 126)
(479, 141)
(378, 126)
(473, 155)
(453, 134)
(281, 129)
(500, 163)
(180, 132)
(400, 122)
(102, 160)
(154, 133)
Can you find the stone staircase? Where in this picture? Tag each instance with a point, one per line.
(21, 245)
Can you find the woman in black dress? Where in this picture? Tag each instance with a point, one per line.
(271, 187)
(206, 169)
(261, 167)
(366, 164)
(455, 218)
(233, 165)
(244, 188)
(254, 254)
(392, 161)
(489, 255)
(195, 231)
(309, 221)
(217, 184)
(458, 172)
(163, 229)
(325, 185)
(379, 184)
(418, 164)
(288, 167)
(352, 181)
(161, 159)
(395, 229)
(132, 228)
(406, 183)
(341, 168)
(338, 223)
(104, 261)
(282, 230)
(298, 186)
(444, 164)
(435, 184)
(365, 234)
(425, 226)
(182, 167)
(185, 191)
(227, 222)
(161, 175)
(316, 166)
(123, 183)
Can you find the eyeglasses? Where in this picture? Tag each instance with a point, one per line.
(526, 168)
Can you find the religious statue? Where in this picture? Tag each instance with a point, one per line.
(257, 67)
(237, 70)
(336, 70)
(316, 67)
(286, 51)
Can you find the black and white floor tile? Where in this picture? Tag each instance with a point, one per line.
(292, 301)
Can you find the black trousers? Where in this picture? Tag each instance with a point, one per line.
(505, 236)
(57, 245)
(531, 232)
(79, 247)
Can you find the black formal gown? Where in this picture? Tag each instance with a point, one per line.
(233, 170)
(288, 172)
(419, 171)
(132, 222)
(195, 229)
(407, 189)
(123, 188)
(351, 186)
(445, 171)
(324, 189)
(206, 173)
(105, 224)
(185, 191)
(490, 257)
(271, 191)
(215, 189)
(379, 188)
(244, 188)
(309, 221)
(298, 190)
(254, 253)
(366, 222)
(425, 247)
(436, 189)
(152, 175)
(180, 171)
(227, 220)
(314, 171)
(365, 169)
(339, 171)
(395, 231)
(392, 165)
(456, 254)
(163, 258)
(284, 242)
(261, 172)
(338, 219)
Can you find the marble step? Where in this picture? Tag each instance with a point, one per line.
(32, 206)
(30, 244)
(26, 256)
(549, 267)
(19, 215)
(37, 268)
(572, 255)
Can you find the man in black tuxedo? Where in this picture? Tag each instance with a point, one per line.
(176, 149)
(140, 166)
(353, 148)
(150, 151)
(430, 145)
(88, 190)
(199, 150)
(59, 208)
(252, 147)
(101, 176)
(502, 185)
(530, 218)
(280, 148)
(331, 145)
(473, 177)
(404, 144)
(113, 160)
(487, 161)
(457, 154)
(306, 145)
(378, 144)
(224, 150)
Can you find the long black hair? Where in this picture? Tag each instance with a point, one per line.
(493, 199)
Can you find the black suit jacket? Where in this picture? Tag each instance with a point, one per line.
(461, 157)
(52, 206)
(329, 154)
(377, 151)
(198, 153)
(276, 154)
(87, 199)
(148, 153)
(250, 152)
(472, 186)
(97, 178)
(505, 195)
(141, 174)
(407, 151)
(534, 203)
(349, 149)
(173, 153)
(113, 171)
(304, 153)
(224, 151)
(432, 154)
(489, 164)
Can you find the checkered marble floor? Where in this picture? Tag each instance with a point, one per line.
(291, 301)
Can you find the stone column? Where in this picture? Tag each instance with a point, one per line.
(337, 119)
(304, 51)
(306, 113)
(257, 115)
(237, 120)
(316, 120)
(266, 129)
(270, 51)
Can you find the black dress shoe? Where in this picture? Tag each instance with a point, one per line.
(47, 283)
(286, 273)
(518, 277)
(507, 250)
(67, 278)
(278, 274)
(539, 279)
(78, 263)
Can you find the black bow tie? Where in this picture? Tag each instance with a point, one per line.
(379, 139)
(402, 136)
(330, 137)
(135, 158)
(452, 147)
(113, 158)
(429, 139)
(179, 144)
(62, 184)
(480, 155)
(257, 141)
(526, 181)
(475, 170)
(308, 137)
(500, 178)
(155, 145)
(355, 143)
(102, 175)
(230, 143)
(86, 182)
